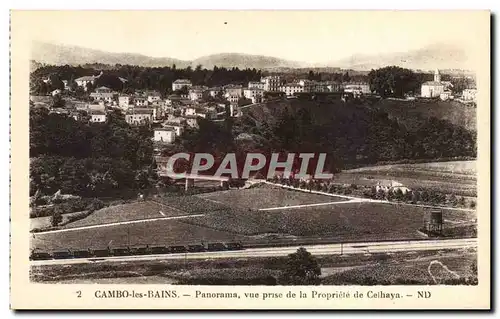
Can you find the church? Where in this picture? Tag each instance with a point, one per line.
(434, 88)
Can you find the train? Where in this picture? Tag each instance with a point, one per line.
(135, 251)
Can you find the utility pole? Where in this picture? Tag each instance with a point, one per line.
(128, 237)
(341, 248)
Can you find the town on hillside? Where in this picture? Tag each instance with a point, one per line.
(173, 110)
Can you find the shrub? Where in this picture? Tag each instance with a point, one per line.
(301, 269)
(56, 218)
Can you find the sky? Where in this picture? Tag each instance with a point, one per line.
(308, 36)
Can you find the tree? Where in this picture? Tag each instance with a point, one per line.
(56, 218)
(301, 269)
(55, 82)
(393, 81)
(472, 204)
(461, 201)
(182, 91)
(96, 204)
(346, 77)
(57, 101)
(398, 194)
(89, 87)
(37, 86)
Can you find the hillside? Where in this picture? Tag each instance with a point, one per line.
(55, 54)
(436, 56)
(244, 61)
(354, 132)
(73, 55)
(452, 111)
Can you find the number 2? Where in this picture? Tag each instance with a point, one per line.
(79, 294)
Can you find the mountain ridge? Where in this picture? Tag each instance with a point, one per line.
(439, 56)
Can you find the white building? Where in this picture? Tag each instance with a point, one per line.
(180, 83)
(153, 96)
(107, 97)
(233, 99)
(124, 101)
(446, 95)
(215, 91)
(333, 87)
(178, 128)
(190, 111)
(469, 95)
(386, 186)
(97, 116)
(139, 117)
(256, 85)
(357, 88)
(141, 101)
(271, 83)
(84, 80)
(100, 107)
(197, 93)
(254, 94)
(291, 88)
(232, 89)
(433, 88)
(164, 135)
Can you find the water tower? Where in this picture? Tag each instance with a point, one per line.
(434, 221)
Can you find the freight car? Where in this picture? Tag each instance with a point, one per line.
(134, 251)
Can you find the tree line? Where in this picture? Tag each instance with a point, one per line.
(349, 135)
(138, 78)
(88, 159)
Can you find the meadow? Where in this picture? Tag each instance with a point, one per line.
(266, 196)
(226, 219)
(458, 177)
(344, 222)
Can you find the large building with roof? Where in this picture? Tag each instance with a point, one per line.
(434, 88)
(181, 83)
(84, 80)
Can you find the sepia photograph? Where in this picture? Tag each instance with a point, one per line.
(254, 148)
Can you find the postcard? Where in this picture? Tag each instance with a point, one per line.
(250, 160)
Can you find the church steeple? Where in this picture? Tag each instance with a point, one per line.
(437, 76)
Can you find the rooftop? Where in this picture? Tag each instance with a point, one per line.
(140, 111)
(153, 93)
(182, 81)
(168, 129)
(86, 78)
(433, 83)
(232, 86)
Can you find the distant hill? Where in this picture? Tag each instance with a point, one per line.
(243, 61)
(436, 56)
(73, 55)
(46, 53)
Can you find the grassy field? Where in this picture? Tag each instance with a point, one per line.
(162, 232)
(265, 196)
(445, 268)
(450, 177)
(124, 212)
(397, 268)
(356, 221)
(229, 221)
(155, 208)
(42, 222)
